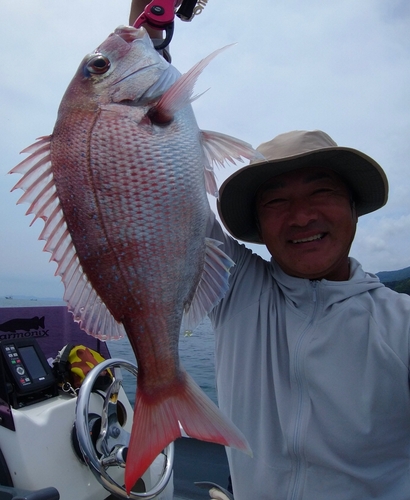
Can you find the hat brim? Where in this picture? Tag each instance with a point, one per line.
(236, 203)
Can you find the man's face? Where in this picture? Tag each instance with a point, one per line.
(307, 223)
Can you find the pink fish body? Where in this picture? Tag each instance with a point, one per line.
(121, 185)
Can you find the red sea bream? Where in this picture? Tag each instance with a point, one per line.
(121, 186)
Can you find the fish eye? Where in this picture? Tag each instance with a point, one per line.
(98, 65)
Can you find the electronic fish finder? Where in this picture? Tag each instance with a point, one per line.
(27, 375)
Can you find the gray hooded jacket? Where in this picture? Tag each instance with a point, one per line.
(315, 374)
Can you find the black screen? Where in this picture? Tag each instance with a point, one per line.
(32, 362)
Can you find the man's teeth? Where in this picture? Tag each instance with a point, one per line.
(311, 238)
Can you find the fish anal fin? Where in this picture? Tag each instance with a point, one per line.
(212, 286)
(156, 424)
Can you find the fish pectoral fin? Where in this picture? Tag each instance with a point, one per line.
(213, 284)
(221, 148)
(156, 424)
(165, 81)
(180, 94)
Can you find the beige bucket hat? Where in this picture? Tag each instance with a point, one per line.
(291, 151)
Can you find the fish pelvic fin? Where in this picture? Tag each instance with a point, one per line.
(212, 287)
(220, 149)
(156, 424)
(37, 182)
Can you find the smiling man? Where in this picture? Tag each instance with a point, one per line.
(312, 352)
(308, 221)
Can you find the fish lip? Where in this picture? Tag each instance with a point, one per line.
(129, 34)
(309, 239)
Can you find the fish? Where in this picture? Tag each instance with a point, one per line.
(121, 185)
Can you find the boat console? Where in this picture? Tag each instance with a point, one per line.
(56, 442)
(25, 375)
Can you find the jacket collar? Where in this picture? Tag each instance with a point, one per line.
(302, 292)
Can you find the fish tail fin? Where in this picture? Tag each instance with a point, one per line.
(156, 424)
(202, 419)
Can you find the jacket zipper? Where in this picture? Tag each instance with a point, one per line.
(298, 377)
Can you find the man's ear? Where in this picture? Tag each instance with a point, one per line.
(257, 224)
(354, 212)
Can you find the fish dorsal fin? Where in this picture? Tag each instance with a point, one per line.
(40, 191)
(212, 287)
(221, 148)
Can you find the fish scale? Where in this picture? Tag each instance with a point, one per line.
(121, 186)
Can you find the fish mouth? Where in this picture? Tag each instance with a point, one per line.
(309, 239)
(129, 34)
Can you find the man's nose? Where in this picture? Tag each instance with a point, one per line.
(302, 212)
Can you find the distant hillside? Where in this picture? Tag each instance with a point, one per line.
(402, 286)
(396, 280)
(390, 276)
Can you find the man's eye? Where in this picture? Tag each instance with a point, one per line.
(274, 201)
(323, 191)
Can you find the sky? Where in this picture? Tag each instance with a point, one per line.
(342, 67)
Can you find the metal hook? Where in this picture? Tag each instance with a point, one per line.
(169, 32)
(159, 14)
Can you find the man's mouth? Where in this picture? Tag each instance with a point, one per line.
(310, 238)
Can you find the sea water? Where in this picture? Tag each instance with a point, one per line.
(196, 354)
